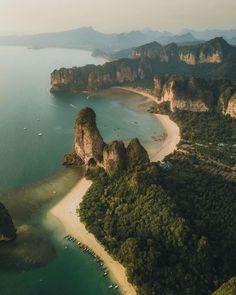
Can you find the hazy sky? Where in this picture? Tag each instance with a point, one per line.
(115, 15)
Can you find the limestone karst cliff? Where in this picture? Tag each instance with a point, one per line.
(136, 154)
(198, 78)
(98, 77)
(7, 229)
(89, 148)
(215, 58)
(88, 142)
(114, 157)
(196, 94)
(231, 106)
(210, 52)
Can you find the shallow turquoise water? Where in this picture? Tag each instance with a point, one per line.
(26, 158)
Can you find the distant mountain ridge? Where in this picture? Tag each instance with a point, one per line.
(228, 35)
(214, 51)
(88, 38)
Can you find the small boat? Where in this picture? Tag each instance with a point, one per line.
(40, 134)
(25, 128)
(116, 287)
(73, 106)
(110, 286)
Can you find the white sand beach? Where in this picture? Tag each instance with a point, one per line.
(138, 91)
(65, 210)
(170, 143)
(172, 130)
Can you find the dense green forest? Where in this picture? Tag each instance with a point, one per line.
(173, 226)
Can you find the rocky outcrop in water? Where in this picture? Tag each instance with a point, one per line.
(89, 148)
(88, 142)
(7, 229)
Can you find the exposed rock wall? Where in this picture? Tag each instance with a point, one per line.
(114, 157)
(184, 93)
(196, 94)
(88, 142)
(213, 51)
(99, 77)
(89, 148)
(231, 107)
(136, 154)
(148, 60)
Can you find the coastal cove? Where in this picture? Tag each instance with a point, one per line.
(67, 212)
(28, 109)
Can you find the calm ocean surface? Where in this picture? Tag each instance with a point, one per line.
(26, 109)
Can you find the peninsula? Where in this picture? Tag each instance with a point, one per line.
(114, 159)
(171, 224)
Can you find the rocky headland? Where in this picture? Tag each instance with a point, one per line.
(213, 59)
(90, 149)
(198, 78)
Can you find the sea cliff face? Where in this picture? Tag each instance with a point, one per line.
(196, 94)
(178, 75)
(7, 229)
(184, 93)
(88, 142)
(98, 77)
(147, 61)
(90, 149)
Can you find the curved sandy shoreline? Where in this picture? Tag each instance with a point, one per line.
(65, 210)
(170, 143)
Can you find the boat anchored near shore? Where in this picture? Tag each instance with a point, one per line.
(97, 259)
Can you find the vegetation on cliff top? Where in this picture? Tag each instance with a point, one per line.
(150, 60)
(172, 226)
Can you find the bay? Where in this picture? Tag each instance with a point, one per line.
(31, 165)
